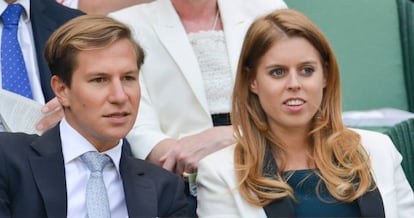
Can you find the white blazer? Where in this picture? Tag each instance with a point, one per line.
(173, 102)
(218, 197)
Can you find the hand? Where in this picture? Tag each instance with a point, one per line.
(184, 155)
(53, 111)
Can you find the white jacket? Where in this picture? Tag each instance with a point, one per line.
(218, 197)
(173, 102)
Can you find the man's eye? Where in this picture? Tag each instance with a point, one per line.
(98, 80)
(130, 78)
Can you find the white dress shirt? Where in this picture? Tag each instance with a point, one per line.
(77, 174)
(26, 41)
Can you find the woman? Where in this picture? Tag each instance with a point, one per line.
(293, 156)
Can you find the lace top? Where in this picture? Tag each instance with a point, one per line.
(210, 50)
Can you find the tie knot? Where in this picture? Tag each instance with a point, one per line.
(95, 161)
(12, 14)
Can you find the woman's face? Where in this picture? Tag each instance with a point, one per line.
(289, 83)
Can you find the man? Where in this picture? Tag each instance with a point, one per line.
(39, 19)
(94, 63)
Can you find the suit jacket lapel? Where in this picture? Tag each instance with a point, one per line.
(278, 208)
(235, 25)
(173, 36)
(49, 172)
(137, 187)
(46, 16)
(43, 25)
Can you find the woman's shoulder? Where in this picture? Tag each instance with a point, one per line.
(370, 135)
(376, 143)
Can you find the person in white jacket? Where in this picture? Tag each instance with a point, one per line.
(192, 52)
(293, 156)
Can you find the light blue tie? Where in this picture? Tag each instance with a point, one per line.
(13, 68)
(97, 202)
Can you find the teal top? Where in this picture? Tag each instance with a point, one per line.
(313, 198)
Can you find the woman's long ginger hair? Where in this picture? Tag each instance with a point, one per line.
(342, 162)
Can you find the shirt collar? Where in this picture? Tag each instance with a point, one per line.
(74, 145)
(24, 3)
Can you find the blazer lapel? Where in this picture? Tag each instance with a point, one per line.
(280, 208)
(136, 187)
(235, 25)
(49, 172)
(46, 16)
(42, 22)
(371, 205)
(172, 35)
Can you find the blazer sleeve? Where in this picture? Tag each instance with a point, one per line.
(217, 192)
(179, 206)
(404, 193)
(214, 197)
(396, 193)
(147, 132)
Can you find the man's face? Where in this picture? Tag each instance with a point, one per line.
(102, 102)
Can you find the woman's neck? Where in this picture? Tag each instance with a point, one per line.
(297, 149)
(197, 15)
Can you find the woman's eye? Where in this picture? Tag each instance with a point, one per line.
(277, 72)
(308, 70)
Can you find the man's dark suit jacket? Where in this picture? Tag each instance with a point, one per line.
(46, 16)
(33, 184)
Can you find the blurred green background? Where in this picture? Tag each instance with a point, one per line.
(366, 38)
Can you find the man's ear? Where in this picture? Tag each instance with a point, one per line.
(61, 90)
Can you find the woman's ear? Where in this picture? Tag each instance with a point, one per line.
(61, 90)
(253, 83)
(253, 86)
